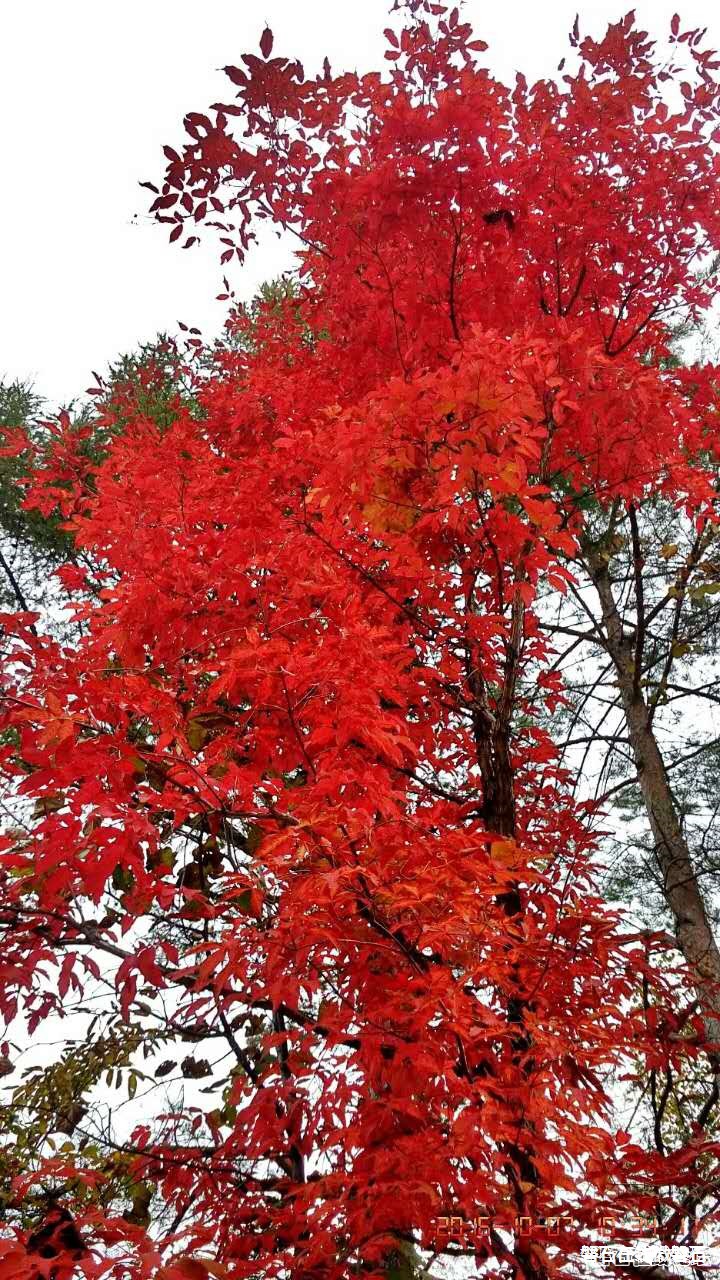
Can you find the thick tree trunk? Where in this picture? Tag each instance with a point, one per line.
(678, 877)
(492, 734)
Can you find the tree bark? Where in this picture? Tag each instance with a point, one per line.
(680, 887)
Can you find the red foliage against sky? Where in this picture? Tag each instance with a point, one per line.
(316, 658)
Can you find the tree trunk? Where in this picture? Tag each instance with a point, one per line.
(679, 881)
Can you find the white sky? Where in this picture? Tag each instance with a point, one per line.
(89, 92)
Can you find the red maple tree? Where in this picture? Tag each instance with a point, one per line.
(292, 783)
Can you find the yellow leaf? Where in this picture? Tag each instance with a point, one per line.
(389, 517)
(505, 852)
(680, 648)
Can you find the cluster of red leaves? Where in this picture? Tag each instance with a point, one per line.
(316, 650)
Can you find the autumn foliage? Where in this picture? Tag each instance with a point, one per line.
(290, 792)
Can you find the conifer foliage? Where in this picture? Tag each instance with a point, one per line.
(288, 809)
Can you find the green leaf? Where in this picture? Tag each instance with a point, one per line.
(197, 734)
(706, 589)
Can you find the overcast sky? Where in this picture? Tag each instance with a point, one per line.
(89, 92)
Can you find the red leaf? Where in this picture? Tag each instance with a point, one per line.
(266, 43)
